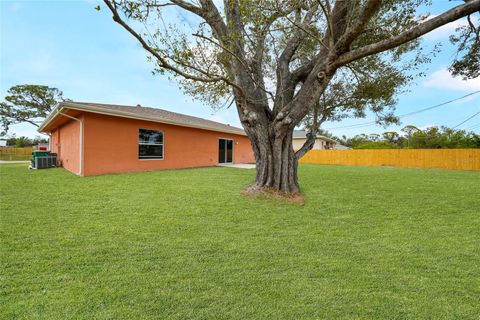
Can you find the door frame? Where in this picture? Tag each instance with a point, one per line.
(233, 150)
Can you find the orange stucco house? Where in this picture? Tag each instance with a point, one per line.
(92, 139)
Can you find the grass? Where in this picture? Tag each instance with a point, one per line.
(370, 243)
(14, 157)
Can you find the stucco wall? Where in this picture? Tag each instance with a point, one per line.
(111, 146)
(65, 141)
(298, 143)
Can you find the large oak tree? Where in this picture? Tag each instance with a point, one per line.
(284, 62)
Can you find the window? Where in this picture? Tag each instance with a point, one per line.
(150, 144)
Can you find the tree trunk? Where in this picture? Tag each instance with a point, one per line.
(271, 134)
(275, 160)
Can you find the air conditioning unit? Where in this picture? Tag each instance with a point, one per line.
(45, 161)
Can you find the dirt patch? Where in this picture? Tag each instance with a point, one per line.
(269, 193)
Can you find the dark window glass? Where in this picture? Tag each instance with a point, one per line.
(150, 144)
(221, 151)
(225, 150)
(229, 151)
(146, 151)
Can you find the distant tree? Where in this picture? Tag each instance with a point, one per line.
(27, 103)
(476, 140)
(443, 137)
(429, 138)
(38, 139)
(11, 140)
(409, 131)
(357, 140)
(374, 137)
(375, 145)
(391, 136)
(22, 142)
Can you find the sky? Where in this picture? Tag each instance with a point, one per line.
(71, 46)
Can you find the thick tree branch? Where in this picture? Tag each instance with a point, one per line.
(339, 19)
(285, 86)
(239, 59)
(188, 6)
(259, 47)
(412, 34)
(299, 35)
(335, 31)
(235, 25)
(369, 10)
(163, 62)
(312, 133)
(209, 12)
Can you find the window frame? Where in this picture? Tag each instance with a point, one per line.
(150, 144)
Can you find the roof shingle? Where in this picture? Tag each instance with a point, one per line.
(155, 114)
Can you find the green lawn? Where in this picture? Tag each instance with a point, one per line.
(15, 157)
(370, 243)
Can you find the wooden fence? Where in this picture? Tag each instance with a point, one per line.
(12, 153)
(460, 159)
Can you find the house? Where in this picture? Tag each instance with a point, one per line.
(93, 139)
(321, 142)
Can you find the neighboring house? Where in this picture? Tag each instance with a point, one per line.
(321, 142)
(341, 147)
(93, 139)
(3, 143)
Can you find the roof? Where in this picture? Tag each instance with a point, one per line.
(302, 134)
(142, 113)
(341, 147)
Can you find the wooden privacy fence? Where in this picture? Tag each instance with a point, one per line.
(460, 159)
(12, 153)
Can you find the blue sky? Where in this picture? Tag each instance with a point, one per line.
(71, 46)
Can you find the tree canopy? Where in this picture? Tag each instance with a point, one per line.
(467, 39)
(28, 103)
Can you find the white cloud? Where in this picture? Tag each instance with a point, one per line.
(442, 79)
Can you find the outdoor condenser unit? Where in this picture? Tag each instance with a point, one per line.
(47, 160)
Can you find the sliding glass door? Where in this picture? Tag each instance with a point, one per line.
(225, 151)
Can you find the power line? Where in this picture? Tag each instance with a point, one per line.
(367, 124)
(477, 125)
(458, 125)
